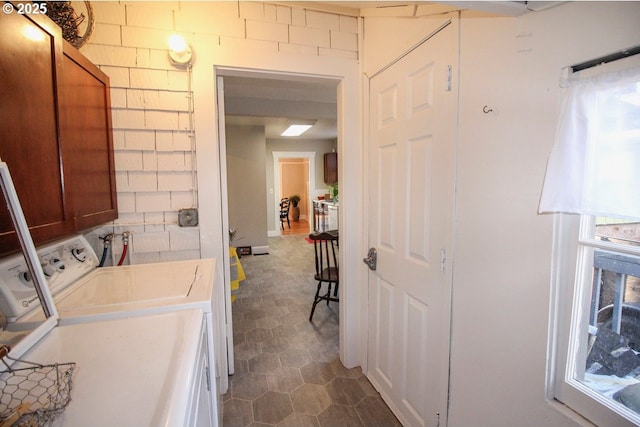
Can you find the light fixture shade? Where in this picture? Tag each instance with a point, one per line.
(179, 50)
(296, 130)
(298, 127)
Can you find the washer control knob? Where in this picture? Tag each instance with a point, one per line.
(48, 270)
(25, 279)
(79, 253)
(57, 264)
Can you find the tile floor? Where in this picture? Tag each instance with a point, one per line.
(287, 369)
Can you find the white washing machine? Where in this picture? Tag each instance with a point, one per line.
(83, 293)
(142, 371)
(139, 362)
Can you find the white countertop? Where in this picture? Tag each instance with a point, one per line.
(327, 202)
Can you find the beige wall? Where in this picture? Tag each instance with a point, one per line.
(294, 177)
(246, 183)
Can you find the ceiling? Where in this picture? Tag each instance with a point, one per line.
(421, 8)
(355, 8)
(273, 102)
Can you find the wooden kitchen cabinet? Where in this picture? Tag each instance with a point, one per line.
(30, 60)
(87, 141)
(330, 168)
(55, 132)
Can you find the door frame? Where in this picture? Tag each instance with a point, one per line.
(214, 239)
(310, 156)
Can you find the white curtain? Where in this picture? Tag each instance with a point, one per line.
(594, 166)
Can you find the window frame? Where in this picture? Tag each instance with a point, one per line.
(570, 300)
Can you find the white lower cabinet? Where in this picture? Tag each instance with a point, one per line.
(333, 217)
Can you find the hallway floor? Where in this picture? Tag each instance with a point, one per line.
(295, 227)
(287, 369)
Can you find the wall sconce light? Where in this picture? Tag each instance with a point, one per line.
(179, 50)
(298, 127)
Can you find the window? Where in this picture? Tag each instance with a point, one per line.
(594, 172)
(603, 359)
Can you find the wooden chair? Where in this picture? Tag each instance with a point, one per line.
(325, 245)
(284, 212)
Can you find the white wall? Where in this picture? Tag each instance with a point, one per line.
(503, 248)
(149, 118)
(154, 167)
(502, 261)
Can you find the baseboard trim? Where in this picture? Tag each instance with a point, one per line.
(260, 250)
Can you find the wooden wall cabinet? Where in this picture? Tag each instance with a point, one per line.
(55, 132)
(87, 140)
(330, 168)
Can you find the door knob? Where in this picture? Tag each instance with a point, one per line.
(372, 259)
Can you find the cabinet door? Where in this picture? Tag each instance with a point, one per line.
(30, 60)
(330, 168)
(200, 408)
(87, 141)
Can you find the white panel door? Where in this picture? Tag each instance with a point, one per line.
(413, 106)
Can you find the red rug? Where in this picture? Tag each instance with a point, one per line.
(311, 241)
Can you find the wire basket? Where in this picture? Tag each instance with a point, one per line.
(35, 395)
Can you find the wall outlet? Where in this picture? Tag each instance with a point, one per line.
(188, 217)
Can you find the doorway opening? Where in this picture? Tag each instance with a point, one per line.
(266, 102)
(294, 174)
(257, 109)
(341, 79)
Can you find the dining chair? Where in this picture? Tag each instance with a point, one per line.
(325, 246)
(284, 212)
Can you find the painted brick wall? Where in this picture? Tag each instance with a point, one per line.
(155, 166)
